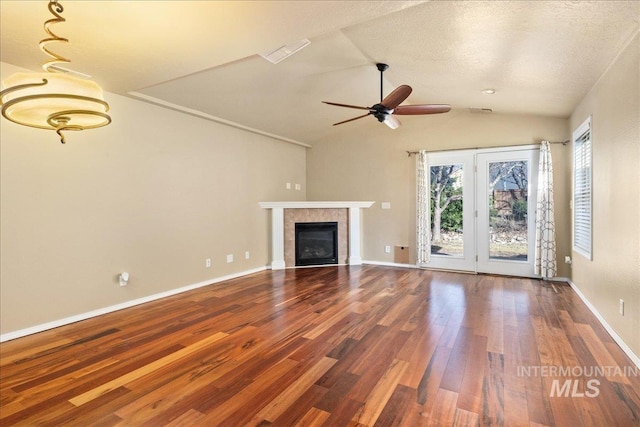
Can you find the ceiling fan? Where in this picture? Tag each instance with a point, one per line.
(385, 110)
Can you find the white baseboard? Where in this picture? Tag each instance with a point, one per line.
(625, 348)
(94, 313)
(68, 320)
(389, 264)
(394, 264)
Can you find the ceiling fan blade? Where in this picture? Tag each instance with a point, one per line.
(347, 106)
(392, 121)
(396, 97)
(422, 109)
(350, 120)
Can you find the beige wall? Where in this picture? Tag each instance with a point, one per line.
(155, 193)
(366, 160)
(614, 272)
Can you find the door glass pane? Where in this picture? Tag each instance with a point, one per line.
(508, 210)
(446, 210)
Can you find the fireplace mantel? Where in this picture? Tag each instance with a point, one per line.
(277, 226)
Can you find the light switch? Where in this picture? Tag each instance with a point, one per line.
(385, 205)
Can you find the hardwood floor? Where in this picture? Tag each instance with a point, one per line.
(335, 346)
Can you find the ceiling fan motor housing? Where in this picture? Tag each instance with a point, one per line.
(380, 112)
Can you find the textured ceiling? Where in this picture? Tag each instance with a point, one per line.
(542, 57)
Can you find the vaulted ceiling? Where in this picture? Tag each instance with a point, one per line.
(541, 57)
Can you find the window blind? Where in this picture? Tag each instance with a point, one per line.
(582, 190)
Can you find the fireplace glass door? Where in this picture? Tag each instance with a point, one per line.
(316, 243)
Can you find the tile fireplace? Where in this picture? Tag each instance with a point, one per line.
(285, 215)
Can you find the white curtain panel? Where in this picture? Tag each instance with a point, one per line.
(545, 225)
(423, 215)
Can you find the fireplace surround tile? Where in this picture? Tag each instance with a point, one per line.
(292, 216)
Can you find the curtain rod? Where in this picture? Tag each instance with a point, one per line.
(411, 153)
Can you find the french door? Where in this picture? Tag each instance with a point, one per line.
(451, 178)
(483, 210)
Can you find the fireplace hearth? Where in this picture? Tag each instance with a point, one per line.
(316, 243)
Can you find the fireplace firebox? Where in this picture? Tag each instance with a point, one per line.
(316, 243)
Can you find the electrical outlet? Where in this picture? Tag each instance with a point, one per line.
(288, 185)
(298, 187)
(207, 263)
(123, 279)
(247, 255)
(621, 307)
(567, 260)
(385, 205)
(387, 249)
(230, 258)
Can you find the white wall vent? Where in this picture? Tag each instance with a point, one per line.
(285, 51)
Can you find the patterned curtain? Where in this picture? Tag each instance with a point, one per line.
(423, 215)
(545, 225)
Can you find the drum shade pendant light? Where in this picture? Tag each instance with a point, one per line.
(55, 99)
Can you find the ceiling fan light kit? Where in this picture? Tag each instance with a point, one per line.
(57, 99)
(389, 106)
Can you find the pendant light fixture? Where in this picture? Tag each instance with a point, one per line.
(53, 100)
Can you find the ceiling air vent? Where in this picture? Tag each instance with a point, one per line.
(285, 51)
(480, 110)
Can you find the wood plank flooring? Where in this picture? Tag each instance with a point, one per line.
(333, 346)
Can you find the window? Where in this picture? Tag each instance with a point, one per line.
(582, 178)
